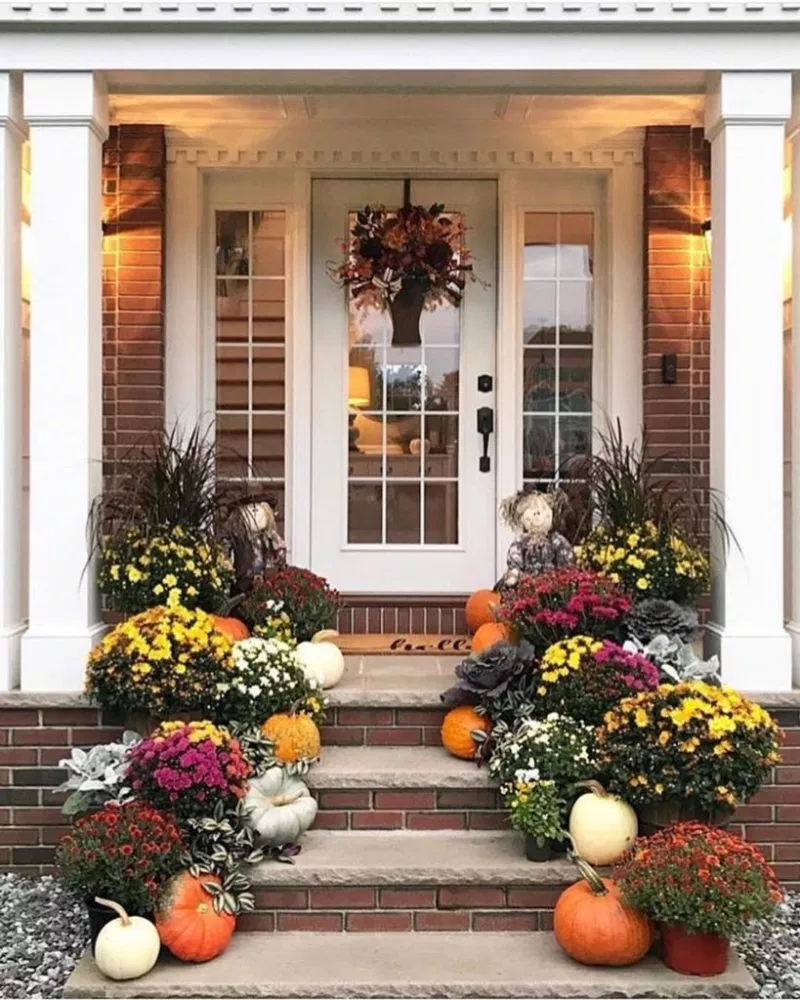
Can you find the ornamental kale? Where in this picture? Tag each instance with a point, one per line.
(501, 680)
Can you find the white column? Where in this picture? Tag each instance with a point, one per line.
(66, 114)
(11, 135)
(794, 400)
(745, 118)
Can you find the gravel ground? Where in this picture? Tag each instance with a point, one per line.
(771, 949)
(43, 932)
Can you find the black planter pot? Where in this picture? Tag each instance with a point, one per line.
(534, 851)
(406, 311)
(99, 916)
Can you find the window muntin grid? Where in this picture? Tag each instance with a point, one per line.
(558, 328)
(403, 429)
(250, 348)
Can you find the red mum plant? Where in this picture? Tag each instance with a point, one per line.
(701, 878)
(125, 853)
(565, 602)
(188, 767)
(310, 603)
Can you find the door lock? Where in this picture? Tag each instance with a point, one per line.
(485, 429)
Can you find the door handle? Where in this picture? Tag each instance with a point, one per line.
(485, 429)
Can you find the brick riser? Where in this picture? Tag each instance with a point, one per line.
(393, 727)
(32, 740)
(405, 908)
(410, 809)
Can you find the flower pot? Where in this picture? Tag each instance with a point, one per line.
(534, 851)
(658, 815)
(693, 954)
(406, 310)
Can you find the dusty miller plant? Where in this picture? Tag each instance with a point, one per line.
(676, 660)
(97, 776)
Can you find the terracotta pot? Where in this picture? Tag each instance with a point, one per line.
(534, 851)
(693, 954)
(406, 310)
(659, 815)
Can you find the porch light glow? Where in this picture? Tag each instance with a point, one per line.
(358, 387)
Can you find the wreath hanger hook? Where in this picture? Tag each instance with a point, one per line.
(407, 192)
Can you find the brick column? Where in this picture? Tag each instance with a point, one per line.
(134, 202)
(677, 298)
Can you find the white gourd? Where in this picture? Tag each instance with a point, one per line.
(127, 947)
(602, 826)
(321, 659)
(279, 807)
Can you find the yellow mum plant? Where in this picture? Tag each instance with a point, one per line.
(647, 561)
(706, 748)
(176, 566)
(163, 661)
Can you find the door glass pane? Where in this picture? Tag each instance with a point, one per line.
(403, 429)
(251, 349)
(558, 331)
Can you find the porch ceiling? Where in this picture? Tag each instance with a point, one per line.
(199, 116)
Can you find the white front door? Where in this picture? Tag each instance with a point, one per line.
(401, 502)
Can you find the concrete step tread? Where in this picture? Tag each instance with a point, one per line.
(395, 767)
(400, 965)
(406, 857)
(393, 681)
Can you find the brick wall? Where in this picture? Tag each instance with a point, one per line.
(34, 736)
(414, 614)
(134, 203)
(676, 298)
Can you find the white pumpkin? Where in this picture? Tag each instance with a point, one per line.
(127, 947)
(321, 659)
(279, 807)
(602, 826)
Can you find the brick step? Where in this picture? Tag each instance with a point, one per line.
(407, 881)
(514, 966)
(393, 788)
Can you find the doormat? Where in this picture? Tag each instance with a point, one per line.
(397, 643)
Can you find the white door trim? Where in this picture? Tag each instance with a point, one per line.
(199, 183)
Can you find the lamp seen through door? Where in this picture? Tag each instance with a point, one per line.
(358, 398)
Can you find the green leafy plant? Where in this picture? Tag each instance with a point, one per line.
(703, 879)
(535, 809)
(97, 776)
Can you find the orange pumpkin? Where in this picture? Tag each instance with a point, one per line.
(231, 627)
(489, 635)
(595, 927)
(296, 737)
(187, 922)
(480, 608)
(458, 731)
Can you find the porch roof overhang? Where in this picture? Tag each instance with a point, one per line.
(401, 36)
